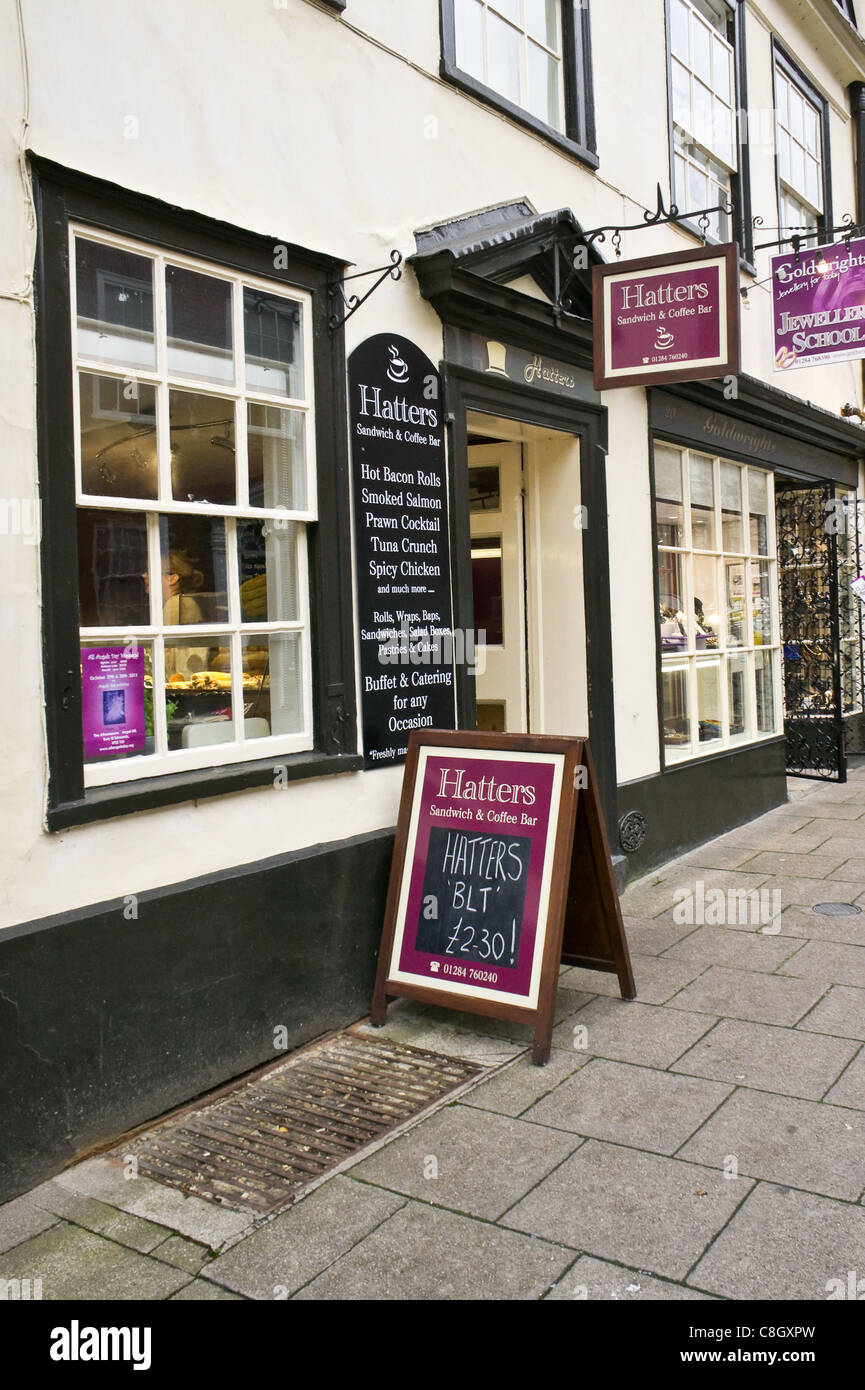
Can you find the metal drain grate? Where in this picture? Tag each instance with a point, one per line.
(256, 1148)
(837, 909)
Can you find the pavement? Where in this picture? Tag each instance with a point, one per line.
(706, 1141)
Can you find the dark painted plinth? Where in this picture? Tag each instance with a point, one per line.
(685, 806)
(106, 1023)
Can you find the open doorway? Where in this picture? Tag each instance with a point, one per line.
(526, 537)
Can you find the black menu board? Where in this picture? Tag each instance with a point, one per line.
(402, 552)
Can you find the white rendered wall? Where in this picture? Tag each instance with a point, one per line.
(336, 133)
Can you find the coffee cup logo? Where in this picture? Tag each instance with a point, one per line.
(664, 340)
(398, 370)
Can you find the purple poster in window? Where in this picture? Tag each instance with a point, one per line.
(112, 700)
(480, 847)
(819, 305)
(671, 317)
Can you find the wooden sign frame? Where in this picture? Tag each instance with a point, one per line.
(581, 922)
(728, 362)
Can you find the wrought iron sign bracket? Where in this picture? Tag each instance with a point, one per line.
(847, 229)
(659, 218)
(344, 305)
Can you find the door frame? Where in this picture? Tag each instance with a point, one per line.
(466, 390)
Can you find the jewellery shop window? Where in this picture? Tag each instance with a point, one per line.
(718, 603)
(195, 481)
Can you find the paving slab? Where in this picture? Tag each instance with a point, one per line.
(516, 1087)
(814, 1146)
(635, 1208)
(423, 1254)
(597, 1280)
(807, 891)
(829, 962)
(852, 867)
(651, 899)
(784, 1245)
(280, 1257)
(749, 995)
(183, 1254)
(472, 1161)
(103, 1178)
(627, 1031)
(849, 1089)
(796, 865)
(76, 1264)
(100, 1218)
(418, 1030)
(22, 1218)
(810, 837)
(649, 936)
(767, 1058)
(838, 814)
(656, 978)
(717, 854)
(200, 1292)
(637, 1106)
(734, 949)
(807, 925)
(568, 1000)
(841, 1012)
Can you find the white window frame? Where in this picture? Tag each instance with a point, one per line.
(690, 659)
(793, 199)
(698, 149)
(520, 27)
(157, 633)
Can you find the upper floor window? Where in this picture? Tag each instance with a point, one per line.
(801, 139)
(703, 108)
(530, 58)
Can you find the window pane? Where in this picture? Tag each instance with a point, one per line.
(469, 25)
(681, 182)
(782, 97)
(485, 494)
(543, 99)
(681, 97)
(198, 683)
(734, 579)
(277, 457)
(722, 133)
(707, 619)
(702, 114)
(783, 153)
(272, 684)
(677, 728)
(797, 116)
(723, 71)
(761, 602)
(671, 598)
(509, 8)
(267, 558)
(698, 187)
(758, 505)
(116, 701)
(765, 681)
(797, 167)
(812, 187)
(202, 448)
(702, 503)
(669, 509)
(118, 436)
(487, 589)
(503, 52)
(812, 139)
(112, 569)
(273, 344)
(731, 507)
(114, 291)
(193, 579)
(701, 49)
(541, 21)
(709, 700)
(679, 29)
(198, 311)
(737, 679)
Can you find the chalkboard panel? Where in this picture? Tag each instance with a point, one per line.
(501, 860)
(402, 553)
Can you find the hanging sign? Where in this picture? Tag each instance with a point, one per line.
(501, 871)
(818, 301)
(667, 318)
(112, 700)
(402, 552)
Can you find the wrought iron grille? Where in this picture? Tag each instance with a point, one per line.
(810, 631)
(851, 564)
